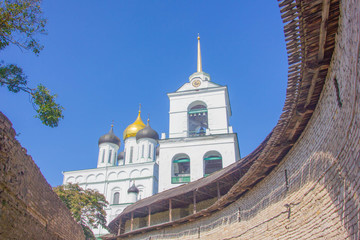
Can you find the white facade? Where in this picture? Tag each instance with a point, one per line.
(196, 149)
(113, 178)
(215, 98)
(107, 154)
(201, 140)
(139, 151)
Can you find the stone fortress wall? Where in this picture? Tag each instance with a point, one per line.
(314, 192)
(29, 209)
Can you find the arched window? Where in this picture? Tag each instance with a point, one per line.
(180, 169)
(131, 154)
(116, 198)
(149, 153)
(103, 156)
(141, 191)
(197, 119)
(109, 158)
(212, 162)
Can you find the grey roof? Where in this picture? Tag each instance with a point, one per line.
(133, 189)
(147, 132)
(110, 137)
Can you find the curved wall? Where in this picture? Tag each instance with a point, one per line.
(314, 192)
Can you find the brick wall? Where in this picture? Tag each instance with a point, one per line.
(314, 192)
(29, 209)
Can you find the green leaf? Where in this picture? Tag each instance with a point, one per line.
(21, 21)
(86, 206)
(49, 112)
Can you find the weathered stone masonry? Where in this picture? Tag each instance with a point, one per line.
(314, 192)
(29, 209)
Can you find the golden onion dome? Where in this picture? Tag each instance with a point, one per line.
(133, 128)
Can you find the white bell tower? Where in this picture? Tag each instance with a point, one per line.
(201, 140)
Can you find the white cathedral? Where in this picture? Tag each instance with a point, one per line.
(200, 142)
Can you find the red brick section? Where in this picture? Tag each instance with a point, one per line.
(314, 193)
(29, 209)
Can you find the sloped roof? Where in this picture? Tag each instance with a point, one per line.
(307, 57)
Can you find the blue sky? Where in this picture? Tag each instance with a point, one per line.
(103, 58)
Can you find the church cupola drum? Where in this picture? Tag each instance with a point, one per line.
(109, 145)
(147, 140)
(116, 173)
(133, 193)
(139, 149)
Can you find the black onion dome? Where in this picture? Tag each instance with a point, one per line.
(110, 137)
(147, 132)
(133, 189)
(120, 156)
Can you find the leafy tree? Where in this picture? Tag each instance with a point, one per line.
(20, 22)
(86, 206)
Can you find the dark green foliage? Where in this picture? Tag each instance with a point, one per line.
(86, 206)
(48, 111)
(13, 77)
(20, 22)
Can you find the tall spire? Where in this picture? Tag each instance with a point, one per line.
(199, 65)
(199, 71)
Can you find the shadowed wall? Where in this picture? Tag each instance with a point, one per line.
(29, 209)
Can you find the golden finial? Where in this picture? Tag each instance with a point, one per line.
(139, 107)
(199, 65)
(112, 123)
(148, 120)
